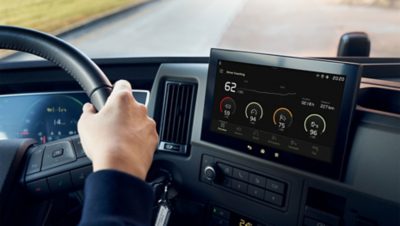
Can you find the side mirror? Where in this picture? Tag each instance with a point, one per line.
(354, 44)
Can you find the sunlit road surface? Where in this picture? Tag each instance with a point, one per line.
(192, 27)
(311, 27)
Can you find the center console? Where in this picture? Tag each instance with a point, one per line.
(269, 143)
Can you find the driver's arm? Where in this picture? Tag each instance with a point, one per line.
(120, 140)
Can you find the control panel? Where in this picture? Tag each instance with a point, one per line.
(248, 183)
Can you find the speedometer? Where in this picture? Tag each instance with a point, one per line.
(51, 118)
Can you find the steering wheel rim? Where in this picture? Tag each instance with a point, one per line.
(89, 76)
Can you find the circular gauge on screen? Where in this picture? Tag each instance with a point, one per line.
(227, 106)
(282, 118)
(52, 118)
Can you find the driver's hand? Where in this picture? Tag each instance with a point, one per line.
(120, 136)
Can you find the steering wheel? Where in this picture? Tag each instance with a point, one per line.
(43, 173)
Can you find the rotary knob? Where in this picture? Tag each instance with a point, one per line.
(209, 173)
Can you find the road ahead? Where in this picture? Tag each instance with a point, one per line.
(160, 28)
(192, 27)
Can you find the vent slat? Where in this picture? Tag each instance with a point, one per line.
(188, 112)
(179, 116)
(164, 121)
(177, 110)
(170, 111)
(185, 113)
(174, 102)
(168, 96)
(174, 114)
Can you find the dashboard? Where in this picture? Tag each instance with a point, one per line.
(241, 187)
(218, 179)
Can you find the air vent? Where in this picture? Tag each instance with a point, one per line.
(177, 116)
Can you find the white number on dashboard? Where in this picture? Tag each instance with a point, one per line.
(230, 86)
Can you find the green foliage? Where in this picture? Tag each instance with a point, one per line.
(56, 15)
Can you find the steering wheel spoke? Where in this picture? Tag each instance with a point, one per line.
(57, 166)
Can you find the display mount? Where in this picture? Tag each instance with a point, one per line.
(289, 110)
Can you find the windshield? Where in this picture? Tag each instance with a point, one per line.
(140, 28)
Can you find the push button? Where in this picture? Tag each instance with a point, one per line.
(227, 182)
(273, 198)
(79, 176)
(38, 187)
(257, 180)
(226, 170)
(240, 174)
(275, 186)
(256, 192)
(78, 148)
(239, 186)
(60, 182)
(35, 161)
(58, 154)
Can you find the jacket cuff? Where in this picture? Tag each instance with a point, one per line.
(111, 194)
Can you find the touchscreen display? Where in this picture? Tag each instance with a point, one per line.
(288, 110)
(292, 110)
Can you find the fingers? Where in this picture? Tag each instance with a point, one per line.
(121, 94)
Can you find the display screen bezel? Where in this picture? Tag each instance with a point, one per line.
(351, 71)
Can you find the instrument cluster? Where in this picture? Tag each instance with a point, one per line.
(45, 117)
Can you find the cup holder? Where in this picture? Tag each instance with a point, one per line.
(380, 99)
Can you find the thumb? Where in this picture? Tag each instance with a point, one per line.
(88, 109)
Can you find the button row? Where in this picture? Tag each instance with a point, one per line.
(252, 178)
(254, 191)
(60, 182)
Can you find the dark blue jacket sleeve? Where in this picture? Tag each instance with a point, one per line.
(115, 198)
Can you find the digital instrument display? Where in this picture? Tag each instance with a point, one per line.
(294, 110)
(288, 110)
(238, 220)
(45, 116)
